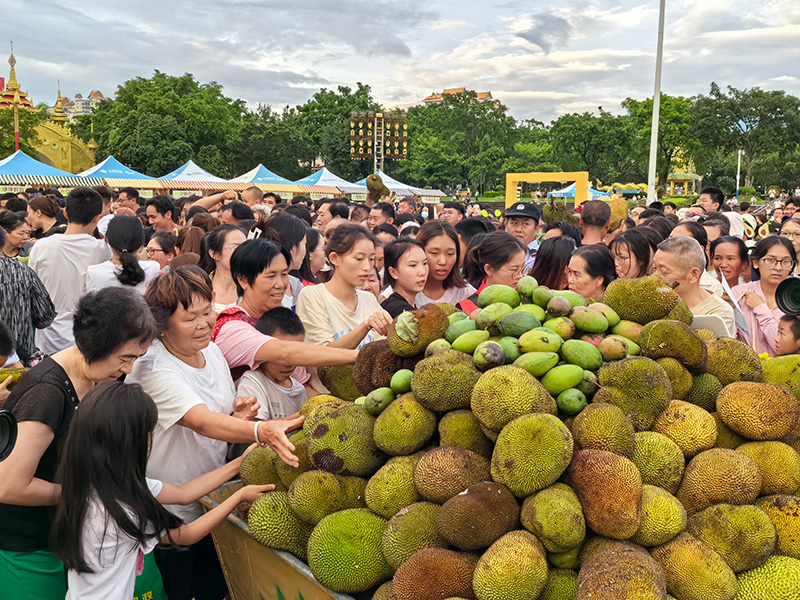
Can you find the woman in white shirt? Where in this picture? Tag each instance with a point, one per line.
(125, 236)
(218, 245)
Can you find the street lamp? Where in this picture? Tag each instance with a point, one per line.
(651, 174)
(738, 171)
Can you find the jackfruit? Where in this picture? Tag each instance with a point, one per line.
(659, 460)
(784, 512)
(637, 385)
(609, 488)
(705, 334)
(318, 400)
(679, 377)
(776, 579)
(719, 476)
(342, 442)
(730, 360)
(690, 427)
(758, 411)
(504, 393)
(725, 437)
(461, 428)
(663, 517)
(478, 516)
(385, 592)
(640, 300)
(286, 473)
(316, 494)
(604, 427)
(444, 472)
(338, 380)
(433, 574)
(444, 382)
(673, 339)
(681, 313)
(515, 566)
(782, 370)
(376, 364)
(391, 488)
(412, 330)
(562, 584)
(272, 523)
(411, 529)
(554, 515)
(404, 426)
(694, 571)
(779, 465)
(743, 536)
(344, 551)
(531, 453)
(258, 468)
(636, 575)
(704, 391)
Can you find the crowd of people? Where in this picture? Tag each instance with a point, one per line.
(165, 337)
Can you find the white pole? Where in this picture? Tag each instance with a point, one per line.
(651, 175)
(738, 171)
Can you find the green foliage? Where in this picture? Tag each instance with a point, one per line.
(28, 120)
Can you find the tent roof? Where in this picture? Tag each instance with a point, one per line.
(191, 172)
(111, 168)
(569, 192)
(21, 169)
(324, 178)
(261, 174)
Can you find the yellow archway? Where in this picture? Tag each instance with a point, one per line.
(581, 179)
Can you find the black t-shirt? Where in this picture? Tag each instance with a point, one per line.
(395, 304)
(44, 394)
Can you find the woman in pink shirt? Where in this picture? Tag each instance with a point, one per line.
(774, 260)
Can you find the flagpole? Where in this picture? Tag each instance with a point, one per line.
(651, 175)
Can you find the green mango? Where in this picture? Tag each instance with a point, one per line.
(571, 401)
(517, 323)
(526, 286)
(583, 354)
(377, 400)
(510, 348)
(534, 309)
(628, 330)
(562, 377)
(563, 326)
(540, 340)
(488, 355)
(574, 298)
(588, 385)
(588, 320)
(493, 294)
(467, 342)
(457, 316)
(537, 363)
(541, 296)
(401, 381)
(490, 316)
(458, 328)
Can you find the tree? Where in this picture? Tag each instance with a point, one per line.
(28, 138)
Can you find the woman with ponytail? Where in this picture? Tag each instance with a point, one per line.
(125, 235)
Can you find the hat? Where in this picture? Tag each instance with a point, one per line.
(524, 209)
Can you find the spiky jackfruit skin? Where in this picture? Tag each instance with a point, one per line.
(342, 442)
(435, 573)
(562, 584)
(478, 516)
(785, 371)
(410, 530)
(286, 473)
(704, 391)
(461, 428)
(730, 360)
(743, 536)
(412, 331)
(258, 468)
(637, 385)
(318, 400)
(404, 426)
(659, 460)
(679, 377)
(725, 437)
(554, 515)
(776, 579)
(640, 300)
(681, 313)
(391, 489)
(344, 551)
(376, 364)
(444, 472)
(531, 453)
(272, 523)
(719, 476)
(663, 517)
(779, 465)
(385, 592)
(758, 411)
(609, 487)
(338, 380)
(690, 427)
(316, 494)
(636, 573)
(444, 382)
(784, 512)
(515, 566)
(673, 339)
(694, 571)
(504, 393)
(604, 426)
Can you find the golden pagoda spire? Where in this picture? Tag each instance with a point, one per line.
(13, 84)
(59, 115)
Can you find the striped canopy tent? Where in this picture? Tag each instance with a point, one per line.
(401, 189)
(569, 192)
(115, 174)
(21, 169)
(326, 182)
(266, 180)
(190, 176)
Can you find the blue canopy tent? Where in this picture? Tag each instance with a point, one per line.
(21, 169)
(115, 174)
(326, 182)
(260, 174)
(569, 192)
(190, 171)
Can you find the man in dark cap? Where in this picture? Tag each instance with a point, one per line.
(522, 221)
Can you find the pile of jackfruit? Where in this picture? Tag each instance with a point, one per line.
(546, 447)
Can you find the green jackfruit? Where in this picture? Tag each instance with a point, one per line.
(779, 465)
(637, 385)
(411, 529)
(660, 339)
(286, 473)
(258, 468)
(412, 330)
(635, 573)
(663, 517)
(531, 453)
(604, 427)
(504, 393)
(272, 523)
(679, 377)
(554, 515)
(784, 512)
(404, 426)
(461, 428)
(391, 488)
(641, 300)
(444, 472)
(444, 382)
(344, 551)
(758, 411)
(385, 592)
(782, 370)
(730, 360)
(515, 566)
(433, 574)
(659, 460)
(725, 437)
(719, 476)
(478, 516)
(316, 494)
(338, 379)
(776, 579)
(704, 391)
(562, 584)
(321, 399)
(689, 426)
(681, 313)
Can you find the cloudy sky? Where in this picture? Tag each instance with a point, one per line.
(541, 58)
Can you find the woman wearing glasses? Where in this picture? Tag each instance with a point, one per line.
(161, 248)
(773, 260)
(790, 229)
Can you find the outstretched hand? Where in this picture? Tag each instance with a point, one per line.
(250, 493)
(273, 434)
(245, 407)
